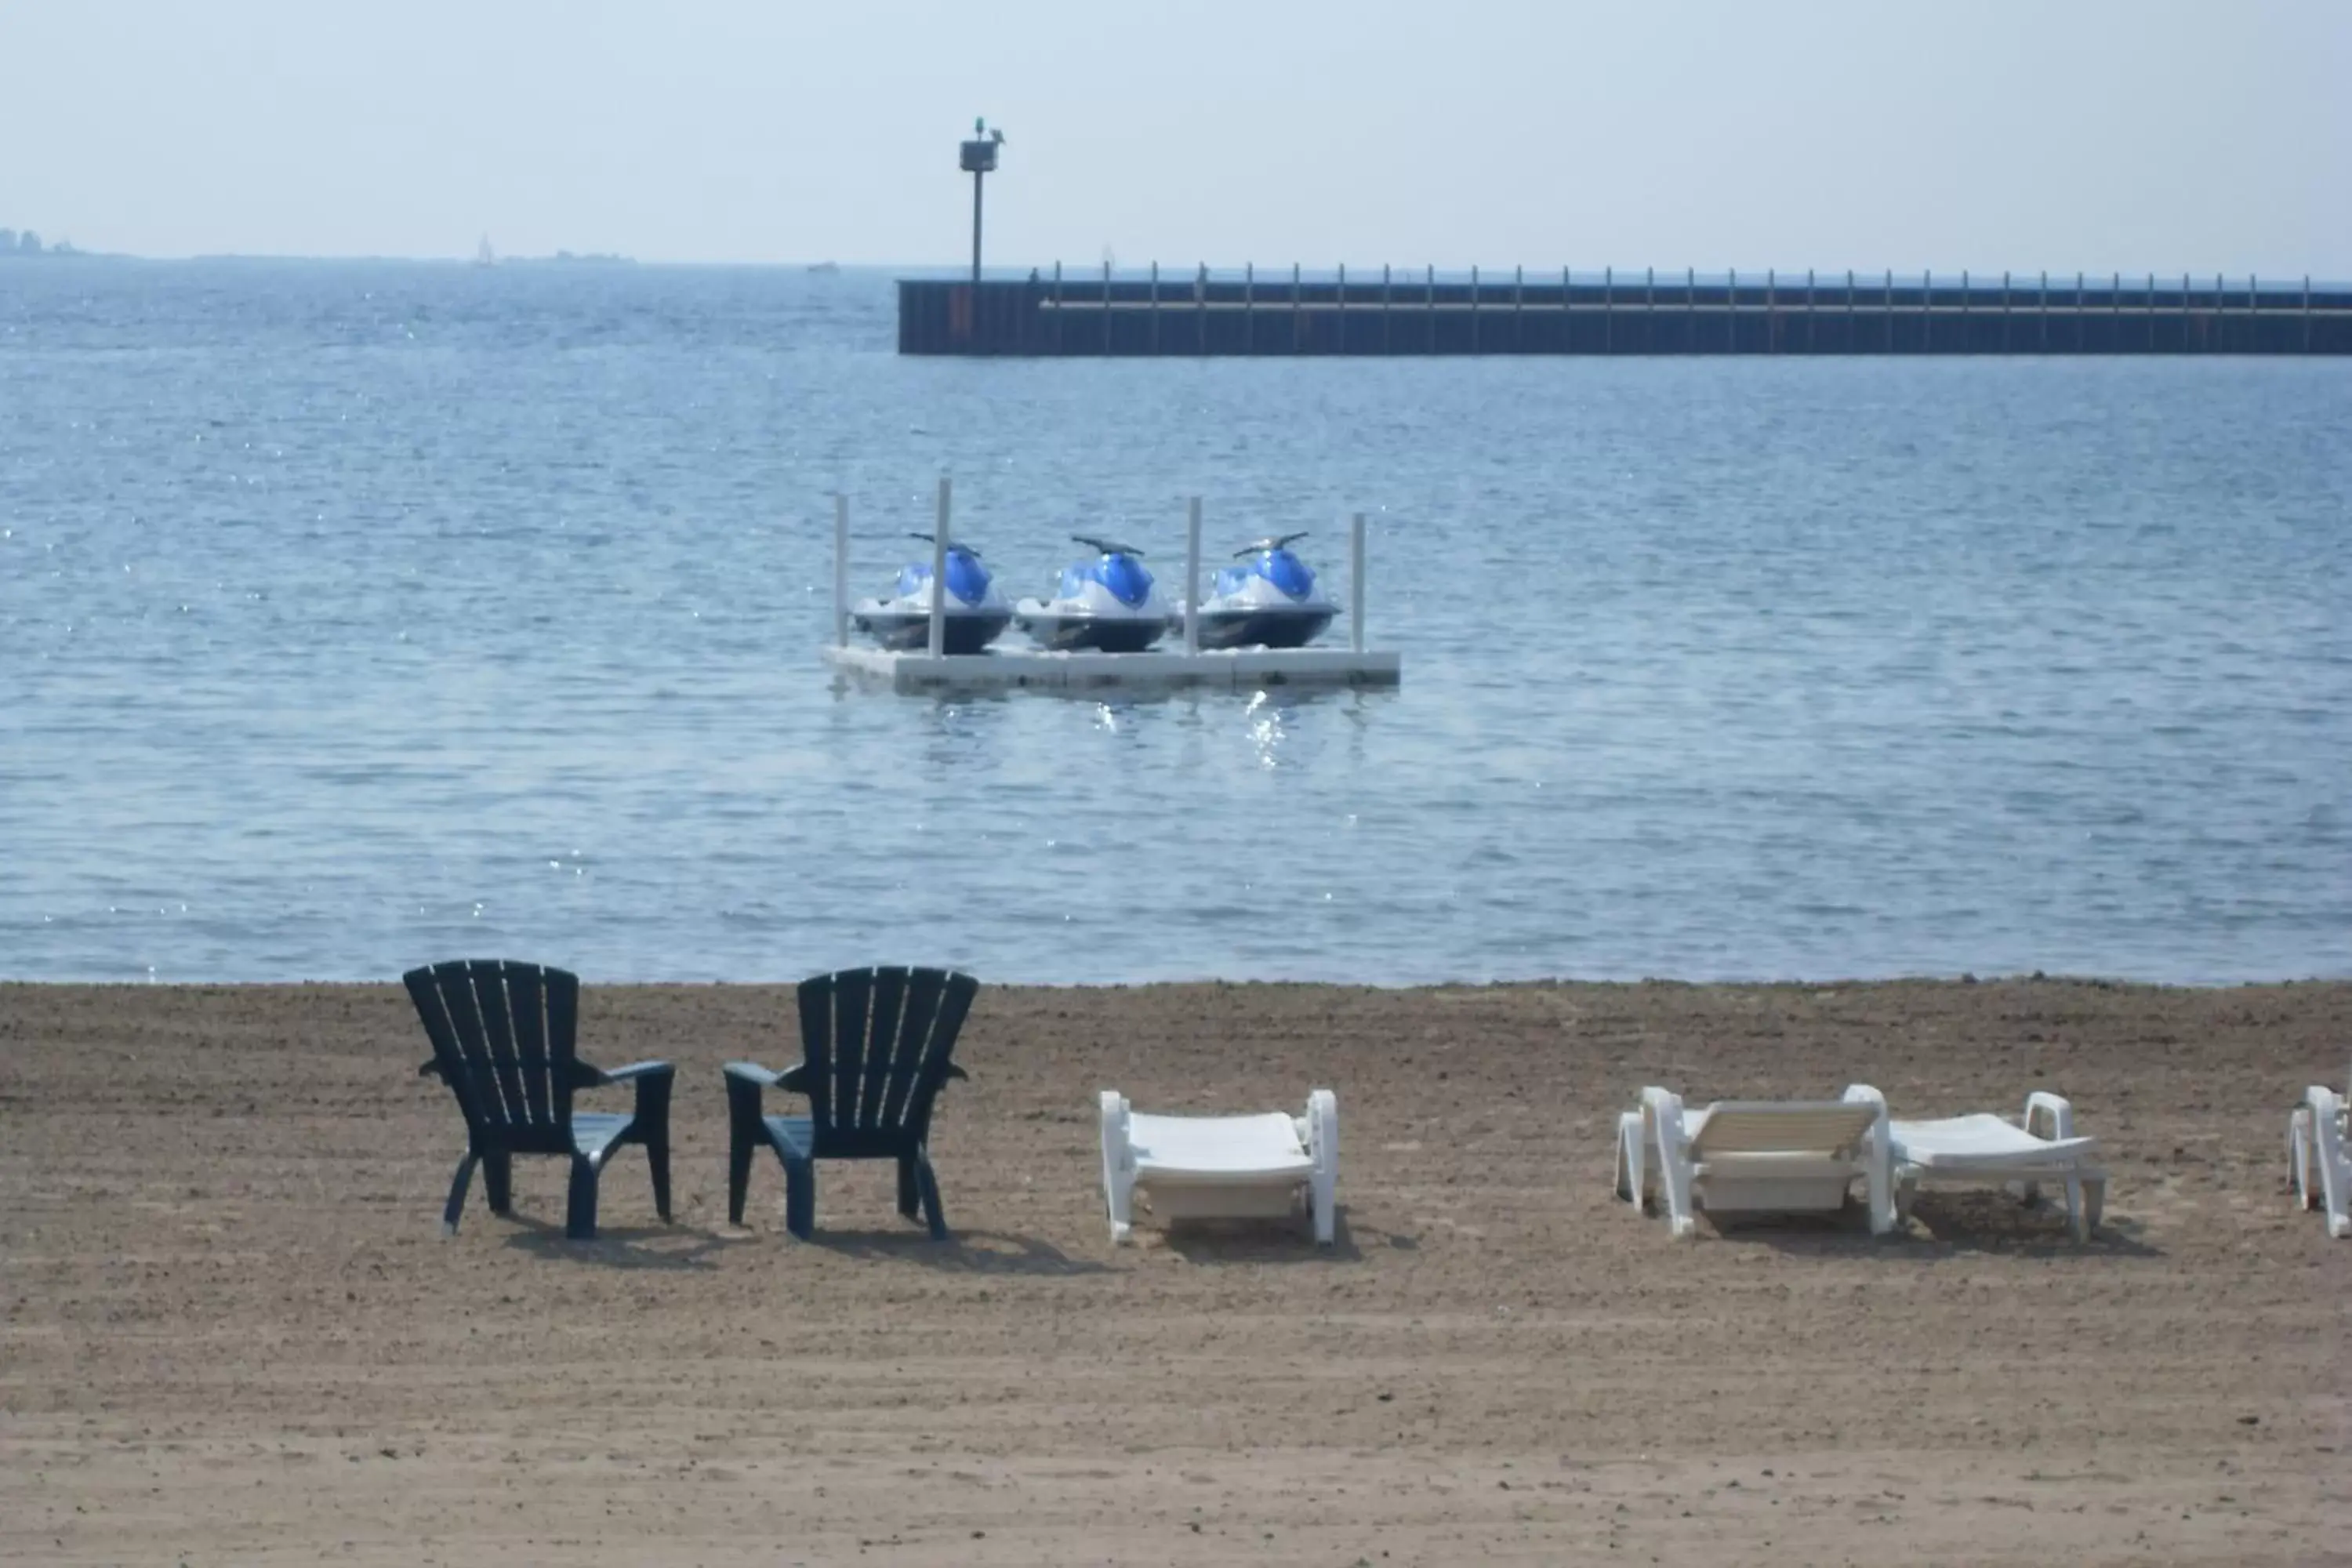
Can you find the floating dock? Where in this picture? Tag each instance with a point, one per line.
(1186, 664)
(1525, 312)
(1236, 669)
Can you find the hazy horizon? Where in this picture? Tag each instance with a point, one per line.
(2103, 137)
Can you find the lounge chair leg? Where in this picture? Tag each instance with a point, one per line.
(1682, 1209)
(498, 1183)
(911, 1194)
(457, 1205)
(2334, 1160)
(2299, 1158)
(930, 1193)
(2095, 1203)
(1118, 1176)
(800, 1198)
(1630, 1183)
(657, 1157)
(1120, 1193)
(580, 1208)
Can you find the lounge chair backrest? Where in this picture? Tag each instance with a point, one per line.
(1766, 1127)
(504, 1040)
(876, 1044)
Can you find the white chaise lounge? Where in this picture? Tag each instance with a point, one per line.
(1223, 1167)
(2319, 1152)
(1983, 1150)
(1750, 1156)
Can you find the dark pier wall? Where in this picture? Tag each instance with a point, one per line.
(1093, 317)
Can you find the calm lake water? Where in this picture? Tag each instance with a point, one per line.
(355, 615)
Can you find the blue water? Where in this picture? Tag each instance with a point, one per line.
(356, 616)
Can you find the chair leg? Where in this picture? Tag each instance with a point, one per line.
(457, 1205)
(2300, 1158)
(1628, 1160)
(740, 1149)
(800, 1198)
(498, 1183)
(580, 1210)
(931, 1186)
(1119, 1189)
(909, 1190)
(657, 1157)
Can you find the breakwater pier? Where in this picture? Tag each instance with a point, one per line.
(1100, 313)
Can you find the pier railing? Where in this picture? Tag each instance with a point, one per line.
(1424, 312)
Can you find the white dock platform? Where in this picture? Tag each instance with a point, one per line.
(1241, 669)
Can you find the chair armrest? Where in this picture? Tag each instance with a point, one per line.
(2049, 1115)
(1322, 1140)
(654, 1081)
(1662, 1111)
(957, 1073)
(745, 1081)
(636, 1070)
(1117, 1146)
(430, 1070)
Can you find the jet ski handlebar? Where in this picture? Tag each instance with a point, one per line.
(1104, 546)
(1276, 541)
(952, 544)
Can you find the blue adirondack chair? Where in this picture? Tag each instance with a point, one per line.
(504, 1036)
(876, 1048)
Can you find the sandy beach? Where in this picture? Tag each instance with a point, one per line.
(231, 1333)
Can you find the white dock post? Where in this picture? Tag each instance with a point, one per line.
(1356, 584)
(1192, 576)
(840, 570)
(939, 576)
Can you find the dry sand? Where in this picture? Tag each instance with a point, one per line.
(229, 1331)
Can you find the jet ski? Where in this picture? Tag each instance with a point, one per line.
(1108, 604)
(974, 612)
(1269, 599)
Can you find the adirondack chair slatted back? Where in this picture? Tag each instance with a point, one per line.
(505, 1036)
(877, 1044)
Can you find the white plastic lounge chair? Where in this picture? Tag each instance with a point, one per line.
(1983, 1150)
(2319, 1150)
(1753, 1156)
(1237, 1167)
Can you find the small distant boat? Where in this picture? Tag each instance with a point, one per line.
(973, 612)
(483, 257)
(1269, 600)
(825, 269)
(1108, 604)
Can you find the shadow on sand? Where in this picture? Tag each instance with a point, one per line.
(1275, 1241)
(965, 1252)
(656, 1247)
(1943, 1225)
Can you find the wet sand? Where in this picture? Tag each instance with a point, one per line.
(230, 1332)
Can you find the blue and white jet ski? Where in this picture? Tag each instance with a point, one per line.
(1108, 604)
(1269, 600)
(974, 612)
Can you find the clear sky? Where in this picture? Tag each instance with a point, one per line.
(2064, 134)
